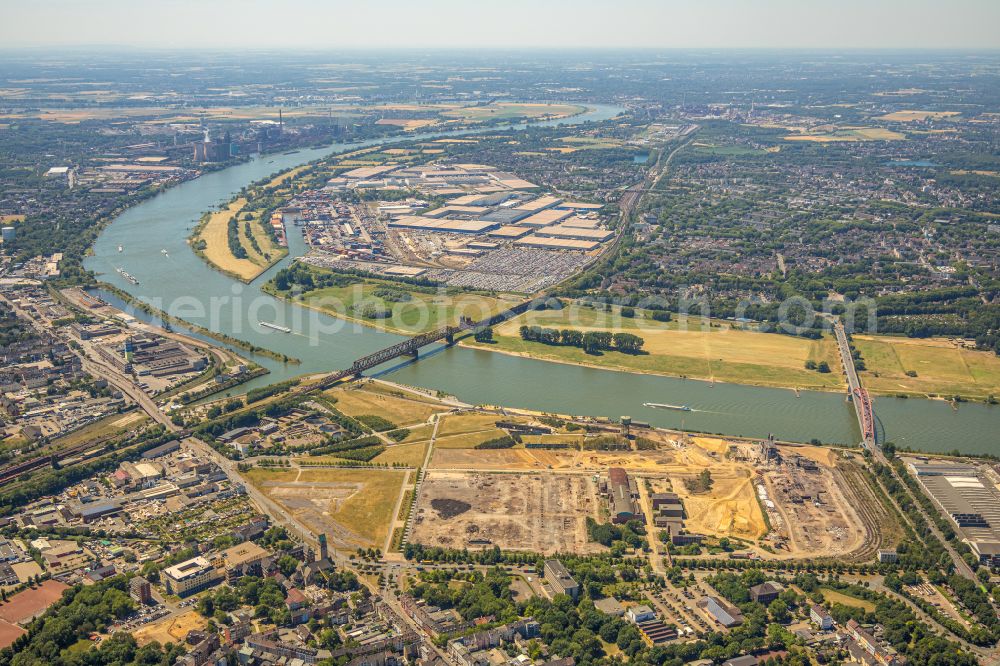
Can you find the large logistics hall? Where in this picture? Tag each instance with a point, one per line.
(967, 495)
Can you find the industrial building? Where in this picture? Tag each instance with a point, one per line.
(541, 203)
(575, 233)
(969, 499)
(510, 232)
(88, 513)
(622, 493)
(722, 612)
(542, 243)
(444, 225)
(558, 577)
(544, 218)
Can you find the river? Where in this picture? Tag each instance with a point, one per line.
(184, 285)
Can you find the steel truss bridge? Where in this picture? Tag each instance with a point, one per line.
(411, 347)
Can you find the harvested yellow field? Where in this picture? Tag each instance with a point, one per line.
(712, 444)
(975, 172)
(915, 116)
(399, 410)
(456, 424)
(284, 176)
(171, 629)
(403, 454)
(832, 596)
(353, 507)
(408, 124)
(939, 366)
(818, 454)
(847, 134)
(693, 348)
(215, 234)
(468, 440)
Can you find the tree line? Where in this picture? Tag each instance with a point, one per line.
(592, 342)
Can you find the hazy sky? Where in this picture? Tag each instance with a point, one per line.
(503, 23)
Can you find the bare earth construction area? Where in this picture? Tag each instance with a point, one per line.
(542, 512)
(539, 500)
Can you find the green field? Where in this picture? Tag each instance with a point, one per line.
(692, 347)
(834, 597)
(423, 312)
(942, 367)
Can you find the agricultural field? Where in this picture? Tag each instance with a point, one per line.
(353, 507)
(702, 148)
(423, 311)
(683, 348)
(575, 143)
(939, 367)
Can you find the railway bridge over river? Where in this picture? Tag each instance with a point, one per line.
(411, 347)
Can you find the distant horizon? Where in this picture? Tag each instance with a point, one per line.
(310, 25)
(832, 50)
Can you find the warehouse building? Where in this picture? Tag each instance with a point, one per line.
(540, 243)
(969, 499)
(90, 512)
(541, 203)
(622, 493)
(577, 233)
(424, 223)
(722, 612)
(510, 232)
(544, 218)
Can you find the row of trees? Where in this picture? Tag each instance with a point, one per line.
(592, 342)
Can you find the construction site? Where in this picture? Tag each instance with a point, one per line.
(541, 512)
(790, 502)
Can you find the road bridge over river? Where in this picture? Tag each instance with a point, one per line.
(859, 396)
